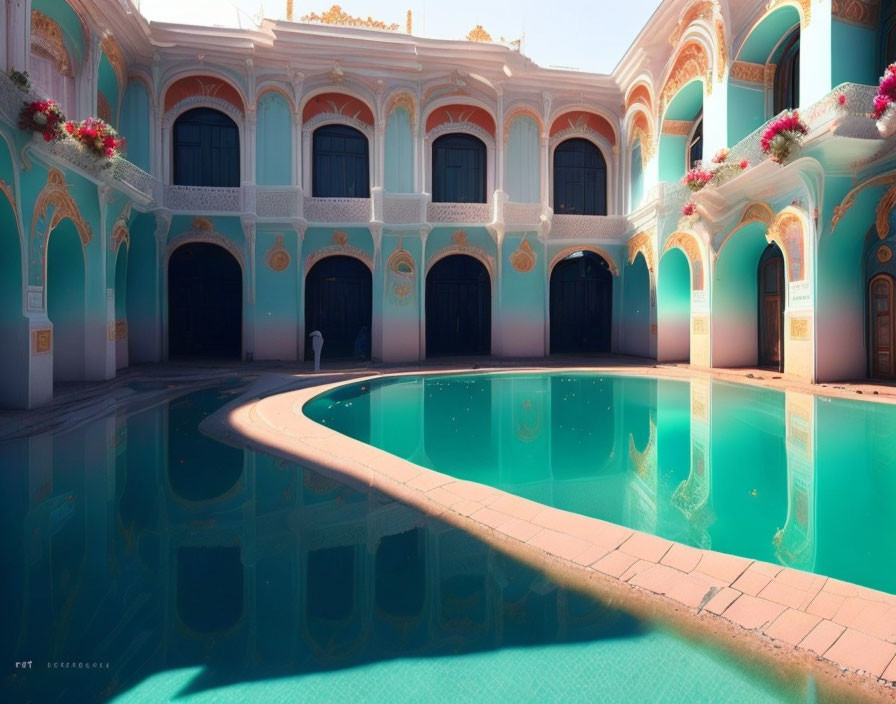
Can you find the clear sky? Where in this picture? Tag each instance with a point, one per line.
(590, 35)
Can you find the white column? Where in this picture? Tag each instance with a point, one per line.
(17, 34)
(249, 147)
(379, 176)
(297, 149)
(499, 145)
(545, 171)
(306, 161)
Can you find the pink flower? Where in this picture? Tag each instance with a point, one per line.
(744, 163)
(841, 99)
(688, 209)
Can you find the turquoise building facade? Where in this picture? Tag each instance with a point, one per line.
(416, 198)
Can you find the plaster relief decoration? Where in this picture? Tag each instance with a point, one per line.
(460, 245)
(119, 65)
(642, 131)
(401, 286)
(203, 230)
(799, 328)
(691, 63)
(341, 247)
(6, 190)
(805, 7)
(517, 112)
(478, 34)
(643, 243)
(677, 128)
(277, 257)
(787, 233)
(578, 122)
(884, 254)
(120, 232)
(700, 327)
(202, 87)
(747, 72)
(884, 207)
(639, 94)
(41, 341)
(337, 16)
(850, 199)
(757, 212)
(453, 117)
(688, 244)
(703, 10)
(47, 42)
(118, 330)
(403, 101)
(53, 205)
(338, 107)
(862, 13)
(524, 258)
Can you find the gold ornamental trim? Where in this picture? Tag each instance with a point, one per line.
(337, 16)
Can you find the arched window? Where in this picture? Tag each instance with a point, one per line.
(340, 168)
(694, 151)
(787, 75)
(458, 169)
(206, 149)
(580, 178)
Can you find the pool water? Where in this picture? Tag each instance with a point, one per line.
(804, 481)
(191, 571)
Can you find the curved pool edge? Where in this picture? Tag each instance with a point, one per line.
(837, 629)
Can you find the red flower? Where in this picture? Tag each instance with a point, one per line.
(688, 209)
(744, 163)
(841, 99)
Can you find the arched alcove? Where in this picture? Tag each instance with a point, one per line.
(635, 322)
(673, 307)
(458, 307)
(681, 138)
(338, 303)
(66, 301)
(581, 306)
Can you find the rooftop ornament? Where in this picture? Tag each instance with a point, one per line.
(336, 16)
(478, 34)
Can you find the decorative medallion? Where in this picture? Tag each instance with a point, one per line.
(884, 254)
(400, 269)
(203, 224)
(459, 238)
(340, 238)
(523, 259)
(747, 72)
(277, 258)
(41, 341)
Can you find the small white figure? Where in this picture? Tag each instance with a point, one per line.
(317, 342)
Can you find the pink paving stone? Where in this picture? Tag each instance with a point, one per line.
(615, 564)
(859, 651)
(519, 529)
(726, 567)
(890, 672)
(681, 557)
(569, 523)
(825, 604)
(425, 481)
(835, 586)
(766, 568)
(591, 555)
(646, 547)
(782, 594)
(493, 519)
(752, 612)
(515, 506)
(849, 612)
(722, 600)
(692, 589)
(399, 471)
(444, 498)
(611, 535)
(658, 578)
(559, 544)
(471, 491)
(821, 637)
(752, 582)
(797, 579)
(878, 620)
(792, 626)
(466, 508)
(637, 569)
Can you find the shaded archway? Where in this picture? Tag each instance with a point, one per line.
(66, 301)
(458, 307)
(673, 307)
(681, 136)
(580, 178)
(581, 304)
(206, 149)
(13, 328)
(636, 308)
(771, 308)
(338, 303)
(205, 302)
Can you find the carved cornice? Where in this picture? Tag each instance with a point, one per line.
(863, 13)
(748, 72)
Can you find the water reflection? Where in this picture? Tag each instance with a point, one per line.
(792, 478)
(282, 574)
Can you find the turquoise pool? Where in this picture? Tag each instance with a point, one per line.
(192, 571)
(804, 481)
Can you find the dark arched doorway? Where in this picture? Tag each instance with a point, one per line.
(205, 302)
(771, 308)
(881, 331)
(581, 304)
(458, 307)
(338, 295)
(580, 179)
(67, 301)
(206, 149)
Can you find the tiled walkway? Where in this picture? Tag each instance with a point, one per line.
(837, 624)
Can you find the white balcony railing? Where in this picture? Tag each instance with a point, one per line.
(460, 213)
(577, 227)
(341, 210)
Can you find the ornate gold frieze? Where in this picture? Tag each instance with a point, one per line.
(699, 324)
(850, 199)
(678, 128)
(203, 224)
(721, 49)
(47, 41)
(406, 102)
(336, 16)
(703, 10)
(643, 243)
(340, 238)
(882, 221)
(119, 65)
(770, 76)
(757, 212)
(863, 13)
(748, 72)
(688, 244)
(690, 63)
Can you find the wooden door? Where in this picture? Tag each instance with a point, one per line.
(458, 308)
(206, 149)
(458, 169)
(338, 303)
(880, 327)
(580, 179)
(771, 308)
(581, 305)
